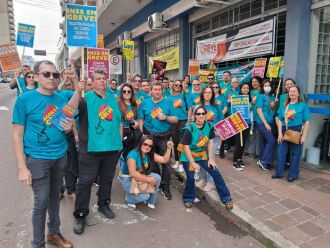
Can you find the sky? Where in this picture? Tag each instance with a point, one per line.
(46, 20)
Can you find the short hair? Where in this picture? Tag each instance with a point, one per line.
(211, 74)
(97, 72)
(114, 80)
(235, 78)
(26, 66)
(227, 72)
(156, 84)
(145, 81)
(137, 75)
(36, 68)
(166, 78)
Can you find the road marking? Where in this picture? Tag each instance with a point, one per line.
(4, 108)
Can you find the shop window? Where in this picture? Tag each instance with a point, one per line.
(224, 19)
(256, 7)
(244, 12)
(215, 22)
(270, 5)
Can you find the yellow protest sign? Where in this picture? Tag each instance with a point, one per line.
(100, 41)
(273, 67)
(171, 57)
(128, 49)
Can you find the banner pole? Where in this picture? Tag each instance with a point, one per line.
(278, 89)
(82, 77)
(241, 138)
(18, 85)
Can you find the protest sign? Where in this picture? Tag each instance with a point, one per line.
(158, 70)
(128, 50)
(193, 67)
(98, 59)
(115, 64)
(240, 104)
(259, 67)
(281, 71)
(171, 57)
(242, 72)
(273, 67)
(252, 41)
(9, 58)
(100, 41)
(231, 126)
(81, 25)
(60, 115)
(25, 35)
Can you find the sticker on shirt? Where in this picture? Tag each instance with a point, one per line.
(290, 114)
(210, 115)
(177, 103)
(47, 117)
(155, 112)
(254, 99)
(197, 100)
(202, 142)
(129, 115)
(139, 101)
(223, 90)
(105, 113)
(272, 105)
(217, 102)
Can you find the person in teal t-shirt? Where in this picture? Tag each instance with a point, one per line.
(220, 100)
(114, 88)
(193, 97)
(265, 124)
(40, 150)
(29, 82)
(138, 166)
(225, 84)
(20, 80)
(295, 116)
(100, 143)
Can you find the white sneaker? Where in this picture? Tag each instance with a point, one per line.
(131, 206)
(152, 206)
(180, 169)
(175, 165)
(196, 200)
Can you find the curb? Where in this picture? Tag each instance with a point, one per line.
(242, 219)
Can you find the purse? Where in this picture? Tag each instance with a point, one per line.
(291, 135)
(141, 187)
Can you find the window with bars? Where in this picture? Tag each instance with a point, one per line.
(163, 43)
(322, 76)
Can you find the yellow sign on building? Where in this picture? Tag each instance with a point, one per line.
(171, 57)
(128, 50)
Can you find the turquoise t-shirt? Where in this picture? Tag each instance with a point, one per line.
(24, 89)
(221, 102)
(115, 93)
(254, 96)
(68, 94)
(193, 99)
(231, 92)
(140, 97)
(134, 154)
(267, 105)
(297, 114)
(149, 110)
(179, 106)
(224, 87)
(34, 111)
(213, 115)
(167, 92)
(104, 120)
(128, 116)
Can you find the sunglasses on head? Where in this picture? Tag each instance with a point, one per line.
(47, 74)
(147, 145)
(127, 92)
(177, 85)
(200, 114)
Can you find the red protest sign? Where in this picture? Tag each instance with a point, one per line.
(98, 59)
(9, 58)
(231, 126)
(193, 68)
(259, 67)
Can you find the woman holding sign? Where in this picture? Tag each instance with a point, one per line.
(240, 138)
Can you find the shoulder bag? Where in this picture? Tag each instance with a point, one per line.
(291, 135)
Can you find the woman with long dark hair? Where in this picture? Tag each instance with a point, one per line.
(138, 166)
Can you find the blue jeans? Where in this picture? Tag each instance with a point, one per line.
(267, 144)
(203, 174)
(46, 185)
(282, 152)
(189, 190)
(143, 197)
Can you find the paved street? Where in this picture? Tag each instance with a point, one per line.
(170, 225)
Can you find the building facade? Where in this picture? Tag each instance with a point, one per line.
(7, 20)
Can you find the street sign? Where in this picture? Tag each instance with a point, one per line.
(40, 52)
(115, 64)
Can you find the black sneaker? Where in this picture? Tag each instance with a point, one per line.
(79, 226)
(237, 166)
(240, 162)
(167, 194)
(107, 211)
(262, 166)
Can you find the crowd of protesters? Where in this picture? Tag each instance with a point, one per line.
(146, 127)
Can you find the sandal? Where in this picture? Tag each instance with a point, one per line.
(229, 205)
(188, 204)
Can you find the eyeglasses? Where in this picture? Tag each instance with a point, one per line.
(147, 145)
(178, 85)
(196, 84)
(200, 114)
(138, 81)
(113, 84)
(127, 92)
(29, 76)
(215, 87)
(47, 74)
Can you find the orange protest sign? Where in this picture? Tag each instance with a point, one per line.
(9, 58)
(100, 41)
(193, 67)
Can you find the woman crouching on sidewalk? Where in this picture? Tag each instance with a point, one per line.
(138, 167)
(197, 151)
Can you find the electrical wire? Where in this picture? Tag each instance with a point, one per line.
(43, 6)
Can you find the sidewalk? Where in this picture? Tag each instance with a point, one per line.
(277, 213)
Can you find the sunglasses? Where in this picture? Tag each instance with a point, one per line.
(200, 114)
(196, 84)
(178, 85)
(113, 84)
(210, 78)
(29, 76)
(47, 74)
(147, 145)
(127, 92)
(215, 87)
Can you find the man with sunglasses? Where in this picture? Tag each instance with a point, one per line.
(155, 117)
(40, 150)
(210, 82)
(114, 88)
(100, 140)
(20, 80)
(193, 97)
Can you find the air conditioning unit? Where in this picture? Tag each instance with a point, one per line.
(156, 22)
(126, 35)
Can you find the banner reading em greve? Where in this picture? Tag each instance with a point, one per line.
(9, 58)
(81, 25)
(231, 126)
(98, 59)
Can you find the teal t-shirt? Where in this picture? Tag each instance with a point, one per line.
(149, 110)
(254, 96)
(231, 92)
(134, 154)
(128, 116)
(213, 115)
(68, 94)
(167, 92)
(193, 99)
(224, 87)
(115, 93)
(104, 120)
(140, 97)
(297, 114)
(221, 102)
(179, 106)
(34, 112)
(267, 105)
(24, 89)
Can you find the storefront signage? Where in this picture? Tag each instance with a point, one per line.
(240, 104)
(128, 50)
(9, 58)
(171, 57)
(259, 67)
(252, 41)
(81, 25)
(231, 126)
(115, 64)
(98, 59)
(25, 35)
(273, 67)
